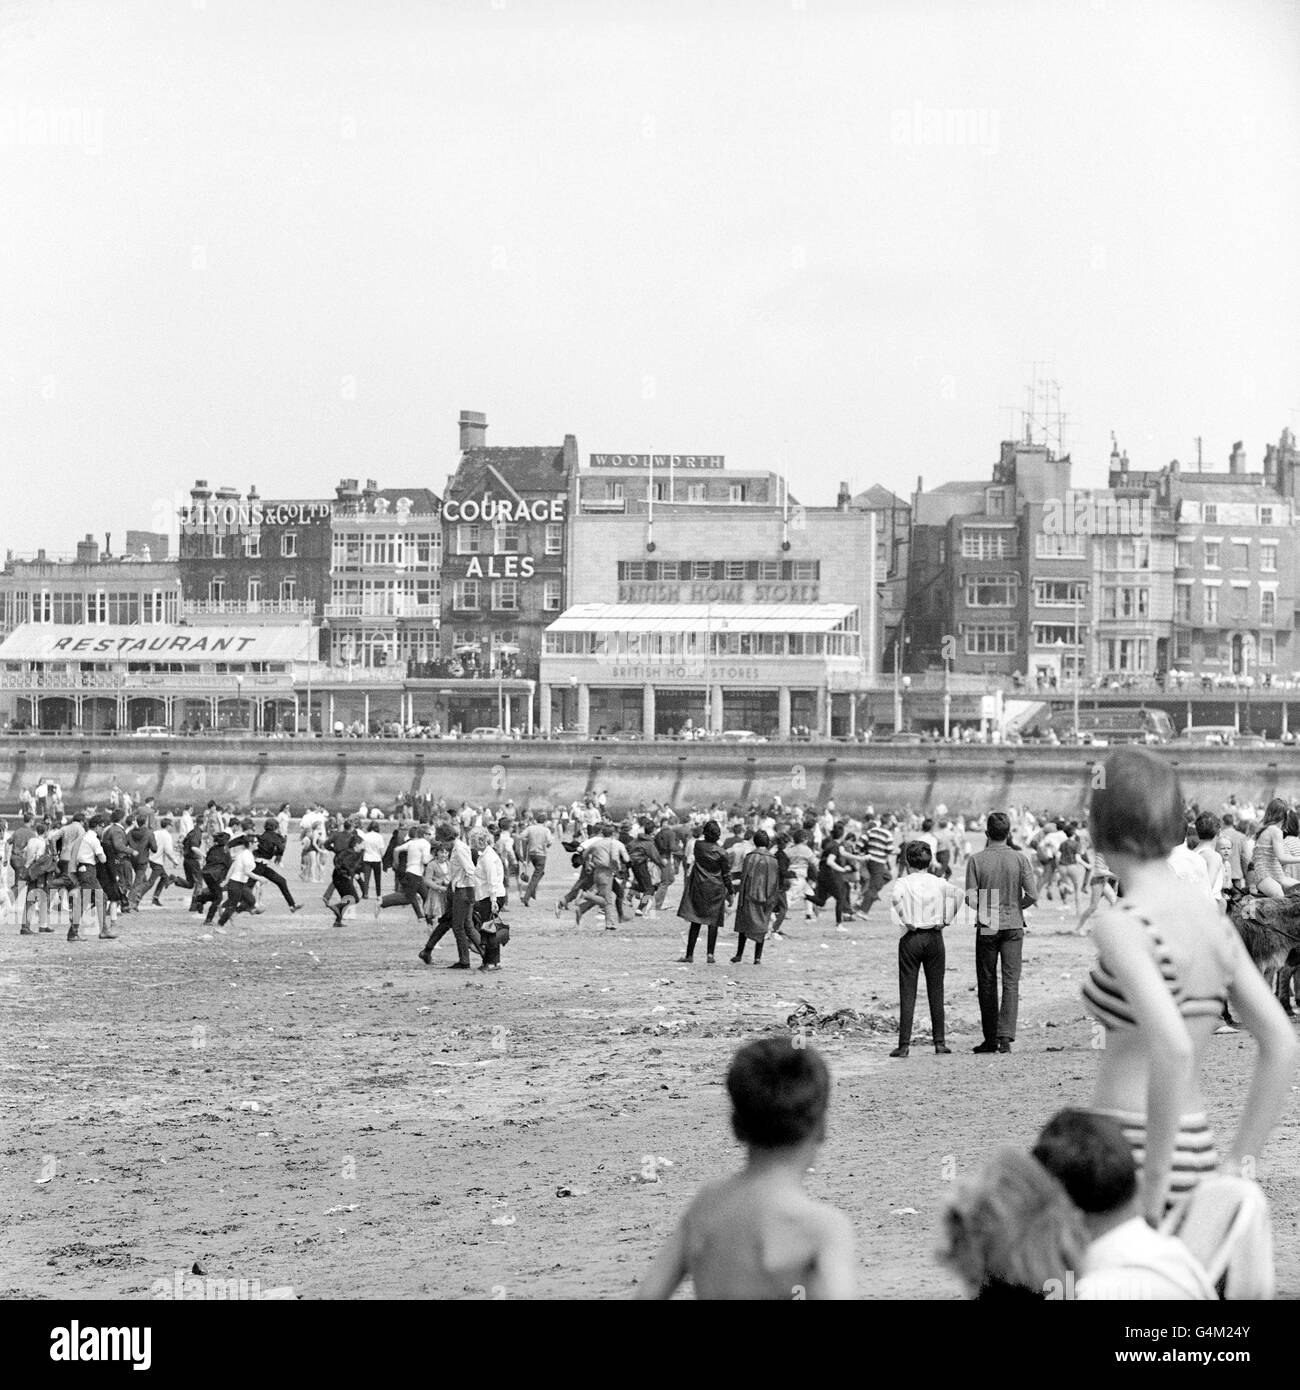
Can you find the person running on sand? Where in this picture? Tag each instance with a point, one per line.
(758, 1234)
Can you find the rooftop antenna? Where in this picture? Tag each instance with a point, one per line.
(785, 500)
(1198, 453)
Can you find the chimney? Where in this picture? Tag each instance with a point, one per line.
(569, 454)
(473, 430)
(371, 487)
(844, 498)
(1123, 462)
(1237, 459)
(1174, 465)
(253, 493)
(87, 551)
(108, 544)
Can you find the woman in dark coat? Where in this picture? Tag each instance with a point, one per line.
(760, 888)
(708, 893)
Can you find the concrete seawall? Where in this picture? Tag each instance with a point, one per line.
(344, 773)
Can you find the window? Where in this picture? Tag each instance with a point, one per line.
(288, 590)
(465, 594)
(218, 547)
(614, 491)
(805, 570)
(505, 594)
(659, 492)
(1056, 546)
(733, 569)
(217, 590)
(990, 639)
(1183, 603)
(633, 571)
(97, 607)
(738, 492)
(551, 595)
(253, 545)
(1241, 555)
(769, 569)
(695, 492)
(254, 591)
(289, 545)
(995, 501)
(1183, 555)
(1268, 556)
(506, 538)
(124, 609)
(1049, 634)
(1210, 514)
(1266, 516)
(1267, 650)
(991, 590)
(468, 539)
(1212, 606)
(1268, 607)
(1056, 593)
(1212, 555)
(1183, 645)
(1240, 600)
(555, 537)
(978, 544)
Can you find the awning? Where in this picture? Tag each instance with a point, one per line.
(102, 644)
(702, 617)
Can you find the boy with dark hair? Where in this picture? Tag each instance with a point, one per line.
(758, 1235)
(1089, 1156)
(920, 906)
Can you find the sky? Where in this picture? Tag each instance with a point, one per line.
(287, 243)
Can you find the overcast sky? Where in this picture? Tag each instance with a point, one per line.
(286, 243)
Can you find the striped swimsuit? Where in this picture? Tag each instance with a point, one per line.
(1194, 1152)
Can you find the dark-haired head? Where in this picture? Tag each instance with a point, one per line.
(760, 839)
(1089, 1156)
(998, 826)
(779, 1094)
(917, 855)
(712, 832)
(1275, 811)
(1207, 825)
(1138, 809)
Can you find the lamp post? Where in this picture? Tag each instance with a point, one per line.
(901, 682)
(239, 697)
(947, 698)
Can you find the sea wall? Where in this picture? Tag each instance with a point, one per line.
(343, 773)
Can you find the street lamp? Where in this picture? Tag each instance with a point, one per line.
(239, 697)
(901, 682)
(947, 695)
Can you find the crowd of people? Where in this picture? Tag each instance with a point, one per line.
(1152, 877)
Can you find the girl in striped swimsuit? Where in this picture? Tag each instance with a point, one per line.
(1167, 960)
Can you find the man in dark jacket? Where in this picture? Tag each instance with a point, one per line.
(999, 886)
(267, 852)
(140, 845)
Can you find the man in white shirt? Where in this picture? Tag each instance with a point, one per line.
(410, 860)
(458, 917)
(920, 906)
(163, 863)
(239, 895)
(1089, 1156)
(1191, 868)
(604, 856)
(84, 869)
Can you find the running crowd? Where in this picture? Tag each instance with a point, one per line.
(1108, 1193)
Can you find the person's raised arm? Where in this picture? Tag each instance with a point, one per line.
(1171, 1058)
(1270, 1085)
(668, 1270)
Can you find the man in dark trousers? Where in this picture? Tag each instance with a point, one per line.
(999, 886)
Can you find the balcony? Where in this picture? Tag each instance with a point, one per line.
(247, 608)
(383, 610)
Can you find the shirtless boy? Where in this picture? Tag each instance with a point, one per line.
(758, 1235)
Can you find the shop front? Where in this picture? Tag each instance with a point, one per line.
(677, 669)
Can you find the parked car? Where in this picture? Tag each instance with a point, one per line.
(1215, 735)
(741, 736)
(904, 737)
(152, 731)
(485, 731)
